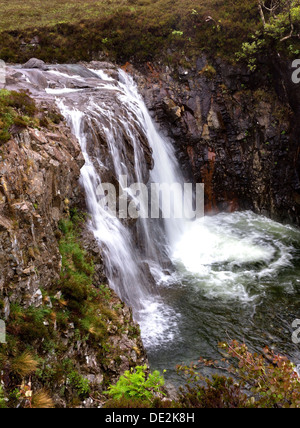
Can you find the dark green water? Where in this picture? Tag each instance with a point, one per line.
(238, 277)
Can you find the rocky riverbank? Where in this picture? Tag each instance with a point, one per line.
(75, 351)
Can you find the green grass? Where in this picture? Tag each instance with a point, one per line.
(18, 15)
(19, 111)
(16, 108)
(136, 30)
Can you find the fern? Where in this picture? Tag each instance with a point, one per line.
(135, 384)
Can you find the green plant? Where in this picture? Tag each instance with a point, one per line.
(280, 22)
(73, 378)
(79, 383)
(177, 33)
(250, 51)
(77, 267)
(137, 384)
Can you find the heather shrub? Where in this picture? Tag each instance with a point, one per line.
(253, 381)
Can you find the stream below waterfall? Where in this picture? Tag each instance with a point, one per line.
(229, 276)
(237, 277)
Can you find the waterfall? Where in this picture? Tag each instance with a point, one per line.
(189, 283)
(134, 265)
(166, 169)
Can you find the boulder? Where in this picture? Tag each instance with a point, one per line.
(35, 63)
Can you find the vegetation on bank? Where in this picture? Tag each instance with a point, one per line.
(18, 110)
(138, 30)
(280, 31)
(268, 380)
(75, 313)
(251, 381)
(137, 387)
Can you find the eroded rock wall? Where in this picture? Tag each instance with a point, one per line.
(39, 172)
(237, 133)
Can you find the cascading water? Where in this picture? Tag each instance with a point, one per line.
(234, 275)
(128, 267)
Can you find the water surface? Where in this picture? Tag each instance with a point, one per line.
(238, 277)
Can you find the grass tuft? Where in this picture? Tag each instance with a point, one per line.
(24, 365)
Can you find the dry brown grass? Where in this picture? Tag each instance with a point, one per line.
(24, 365)
(42, 400)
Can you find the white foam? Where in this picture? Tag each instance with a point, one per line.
(61, 91)
(65, 75)
(159, 323)
(228, 254)
(101, 74)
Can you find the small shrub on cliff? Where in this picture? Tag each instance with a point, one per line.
(79, 383)
(22, 102)
(28, 325)
(280, 25)
(75, 380)
(208, 71)
(138, 385)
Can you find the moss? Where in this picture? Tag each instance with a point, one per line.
(209, 71)
(77, 268)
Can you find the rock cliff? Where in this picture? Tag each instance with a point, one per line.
(236, 132)
(75, 354)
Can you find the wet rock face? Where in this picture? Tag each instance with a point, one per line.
(236, 135)
(39, 172)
